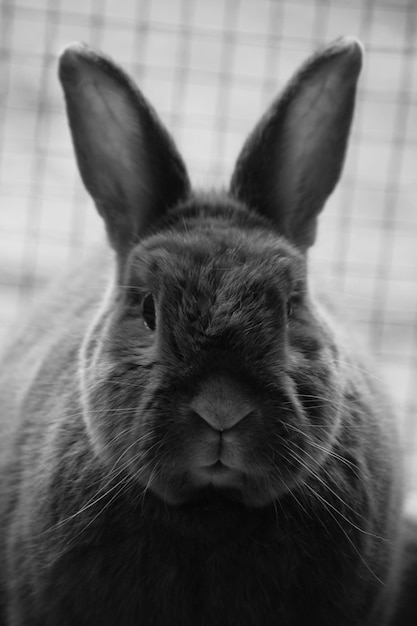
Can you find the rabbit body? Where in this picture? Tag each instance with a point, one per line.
(129, 559)
(186, 437)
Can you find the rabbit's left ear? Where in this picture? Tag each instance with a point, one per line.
(292, 160)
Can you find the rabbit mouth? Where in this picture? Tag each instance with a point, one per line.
(232, 464)
(231, 484)
(239, 463)
(218, 475)
(216, 481)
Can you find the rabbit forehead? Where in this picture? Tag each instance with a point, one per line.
(217, 255)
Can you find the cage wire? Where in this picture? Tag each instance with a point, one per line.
(210, 69)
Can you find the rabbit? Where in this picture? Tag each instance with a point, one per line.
(188, 434)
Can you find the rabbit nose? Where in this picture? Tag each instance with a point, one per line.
(221, 403)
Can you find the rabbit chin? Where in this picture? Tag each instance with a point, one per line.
(215, 483)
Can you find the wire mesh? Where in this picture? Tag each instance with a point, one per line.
(210, 69)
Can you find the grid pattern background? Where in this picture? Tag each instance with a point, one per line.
(210, 68)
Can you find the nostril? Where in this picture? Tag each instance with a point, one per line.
(220, 417)
(239, 418)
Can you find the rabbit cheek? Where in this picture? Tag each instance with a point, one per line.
(317, 386)
(111, 401)
(112, 419)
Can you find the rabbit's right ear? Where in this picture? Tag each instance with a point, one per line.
(126, 158)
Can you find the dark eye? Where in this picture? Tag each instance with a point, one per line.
(292, 303)
(148, 311)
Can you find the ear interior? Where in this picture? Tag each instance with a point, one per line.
(127, 160)
(316, 133)
(292, 161)
(109, 139)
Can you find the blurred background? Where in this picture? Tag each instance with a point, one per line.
(210, 67)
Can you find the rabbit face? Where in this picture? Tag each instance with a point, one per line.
(210, 369)
(216, 372)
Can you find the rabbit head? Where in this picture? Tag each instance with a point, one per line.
(210, 371)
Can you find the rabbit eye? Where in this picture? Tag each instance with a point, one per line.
(148, 311)
(291, 304)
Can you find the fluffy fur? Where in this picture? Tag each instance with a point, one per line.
(121, 500)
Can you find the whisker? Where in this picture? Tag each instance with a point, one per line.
(113, 475)
(329, 506)
(336, 495)
(322, 448)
